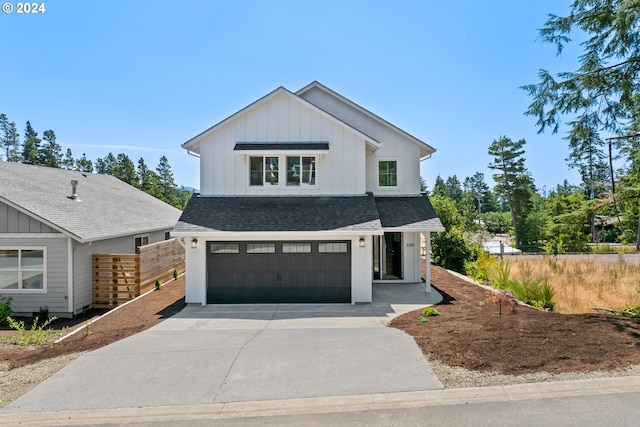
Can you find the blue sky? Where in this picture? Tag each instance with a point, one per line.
(142, 77)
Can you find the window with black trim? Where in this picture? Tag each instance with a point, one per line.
(22, 269)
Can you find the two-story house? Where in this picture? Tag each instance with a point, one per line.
(304, 197)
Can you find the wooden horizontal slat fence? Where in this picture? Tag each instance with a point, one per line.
(118, 278)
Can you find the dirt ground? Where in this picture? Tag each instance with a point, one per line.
(127, 320)
(468, 333)
(471, 334)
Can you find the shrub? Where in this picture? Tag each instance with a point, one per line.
(479, 269)
(36, 335)
(5, 309)
(43, 313)
(428, 312)
(503, 298)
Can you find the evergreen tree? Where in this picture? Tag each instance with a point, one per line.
(83, 164)
(439, 188)
(148, 180)
(31, 146)
(603, 94)
(167, 184)
(50, 152)
(107, 165)
(124, 169)
(508, 161)
(68, 162)
(9, 139)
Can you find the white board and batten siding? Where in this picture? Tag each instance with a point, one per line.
(394, 146)
(225, 172)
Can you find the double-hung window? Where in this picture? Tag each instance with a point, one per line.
(387, 173)
(22, 269)
(301, 170)
(263, 170)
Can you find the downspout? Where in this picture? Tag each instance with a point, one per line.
(70, 275)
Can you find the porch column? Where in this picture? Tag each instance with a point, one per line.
(427, 258)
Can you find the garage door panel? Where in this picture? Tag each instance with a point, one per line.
(278, 277)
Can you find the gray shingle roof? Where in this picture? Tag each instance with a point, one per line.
(108, 208)
(356, 213)
(408, 213)
(206, 214)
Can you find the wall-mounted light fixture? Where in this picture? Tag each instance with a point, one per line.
(194, 243)
(362, 242)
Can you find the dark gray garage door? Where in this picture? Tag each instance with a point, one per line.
(278, 272)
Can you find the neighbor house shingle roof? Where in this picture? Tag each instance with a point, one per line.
(364, 214)
(108, 207)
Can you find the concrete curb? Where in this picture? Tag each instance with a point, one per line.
(333, 404)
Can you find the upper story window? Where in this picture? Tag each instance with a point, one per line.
(22, 269)
(263, 170)
(387, 173)
(301, 170)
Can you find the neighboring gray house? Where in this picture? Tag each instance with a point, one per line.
(48, 233)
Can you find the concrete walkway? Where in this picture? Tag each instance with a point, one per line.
(241, 353)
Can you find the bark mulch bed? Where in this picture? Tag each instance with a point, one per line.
(135, 317)
(470, 333)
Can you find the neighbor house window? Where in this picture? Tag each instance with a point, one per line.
(301, 170)
(141, 240)
(263, 170)
(387, 173)
(22, 269)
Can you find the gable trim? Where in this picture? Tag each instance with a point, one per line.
(42, 220)
(315, 84)
(193, 143)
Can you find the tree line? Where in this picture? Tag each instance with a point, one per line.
(599, 103)
(46, 151)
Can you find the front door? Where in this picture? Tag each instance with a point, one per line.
(387, 256)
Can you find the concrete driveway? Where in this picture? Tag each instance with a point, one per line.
(236, 353)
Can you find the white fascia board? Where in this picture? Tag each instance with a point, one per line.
(432, 229)
(193, 143)
(424, 146)
(275, 235)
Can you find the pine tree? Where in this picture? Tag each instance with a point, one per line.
(508, 161)
(50, 152)
(9, 139)
(68, 162)
(124, 169)
(83, 164)
(167, 184)
(31, 146)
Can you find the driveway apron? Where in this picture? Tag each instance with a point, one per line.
(231, 353)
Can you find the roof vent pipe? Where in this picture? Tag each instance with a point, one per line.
(74, 190)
